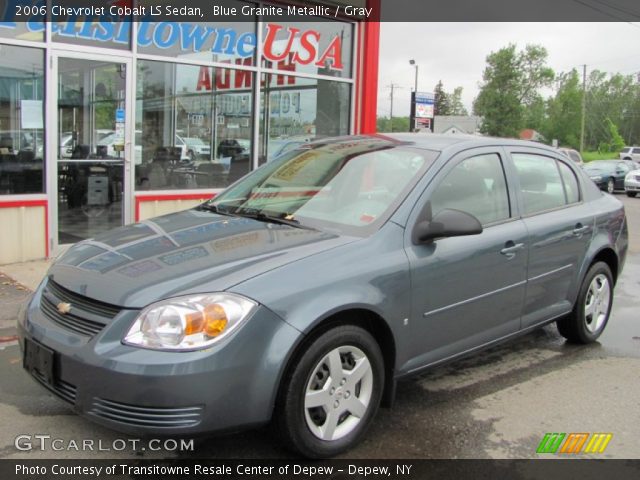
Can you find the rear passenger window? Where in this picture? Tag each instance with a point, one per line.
(540, 182)
(477, 186)
(570, 183)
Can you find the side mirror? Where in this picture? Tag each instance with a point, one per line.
(447, 223)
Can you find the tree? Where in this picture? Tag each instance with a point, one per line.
(448, 103)
(455, 102)
(615, 142)
(564, 111)
(535, 116)
(511, 83)
(441, 105)
(400, 124)
(616, 98)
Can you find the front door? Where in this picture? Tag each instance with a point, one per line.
(91, 145)
(467, 291)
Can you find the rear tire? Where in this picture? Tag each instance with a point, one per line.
(330, 396)
(631, 194)
(592, 308)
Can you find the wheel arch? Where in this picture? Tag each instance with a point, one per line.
(610, 257)
(363, 317)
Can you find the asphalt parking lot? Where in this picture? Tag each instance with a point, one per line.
(497, 404)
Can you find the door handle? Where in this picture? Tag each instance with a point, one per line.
(510, 249)
(580, 229)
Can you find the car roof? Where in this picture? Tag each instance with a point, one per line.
(440, 142)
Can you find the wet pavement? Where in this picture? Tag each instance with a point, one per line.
(496, 404)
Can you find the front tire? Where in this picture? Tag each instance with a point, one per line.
(332, 393)
(611, 185)
(592, 308)
(631, 194)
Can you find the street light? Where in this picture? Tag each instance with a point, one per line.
(415, 93)
(413, 62)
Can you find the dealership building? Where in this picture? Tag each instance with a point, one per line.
(105, 123)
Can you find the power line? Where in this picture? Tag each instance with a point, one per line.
(615, 7)
(604, 12)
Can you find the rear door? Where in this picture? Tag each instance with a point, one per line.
(559, 226)
(466, 291)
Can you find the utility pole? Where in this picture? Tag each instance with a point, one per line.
(584, 106)
(392, 86)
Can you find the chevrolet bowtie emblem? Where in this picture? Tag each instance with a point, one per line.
(64, 308)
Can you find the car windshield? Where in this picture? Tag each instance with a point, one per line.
(348, 187)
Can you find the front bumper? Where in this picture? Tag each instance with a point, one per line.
(143, 392)
(632, 185)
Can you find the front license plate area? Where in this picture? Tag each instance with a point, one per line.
(39, 361)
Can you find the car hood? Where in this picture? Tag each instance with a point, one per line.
(194, 251)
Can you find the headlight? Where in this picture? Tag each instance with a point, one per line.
(597, 178)
(189, 323)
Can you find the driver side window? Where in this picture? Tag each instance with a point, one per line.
(476, 186)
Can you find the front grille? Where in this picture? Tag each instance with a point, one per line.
(83, 303)
(70, 321)
(62, 389)
(86, 317)
(154, 417)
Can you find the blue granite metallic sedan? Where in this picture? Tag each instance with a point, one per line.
(302, 293)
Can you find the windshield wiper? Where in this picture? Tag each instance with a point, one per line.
(282, 219)
(210, 207)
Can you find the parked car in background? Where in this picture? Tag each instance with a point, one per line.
(630, 153)
(572, 154)
(195, 147)
(27, 140)
(264, 302)
(108, 142)
(232, 147)
(632, 183)
(609, 175)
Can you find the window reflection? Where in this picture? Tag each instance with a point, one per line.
(193, 126)
(21, 120)
(296, 110)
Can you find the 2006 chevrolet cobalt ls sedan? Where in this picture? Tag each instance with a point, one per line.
(303, 292)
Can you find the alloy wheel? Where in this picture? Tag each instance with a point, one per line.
(597, 302)
(338, 393)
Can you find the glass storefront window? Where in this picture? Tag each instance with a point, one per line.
(193, 126)
(318, 48)
(297, 110)
(22, 139)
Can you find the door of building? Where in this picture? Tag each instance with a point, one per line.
(90, 142)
